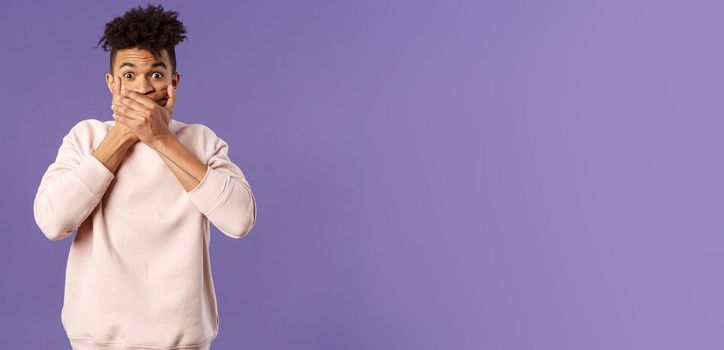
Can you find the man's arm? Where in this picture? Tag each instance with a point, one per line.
(218, 188)
(187, 168)
(75, 182)
(112, 150)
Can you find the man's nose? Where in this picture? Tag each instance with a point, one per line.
(143, 87)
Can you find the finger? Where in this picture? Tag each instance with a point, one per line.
(171, 103)
(117, 116)
(162, 102)
(138, 103)
(119, 87)
(158, 95)
(143, 100)
(125, 121)
(132, 104)
(117, 82)
(129, 113)
(114, 92)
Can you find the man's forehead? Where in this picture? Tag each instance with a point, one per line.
(136, 58)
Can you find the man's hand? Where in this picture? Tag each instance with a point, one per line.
(143, 114)
(124, 130)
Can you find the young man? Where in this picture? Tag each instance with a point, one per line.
(141, 190)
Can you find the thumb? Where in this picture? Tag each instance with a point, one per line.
(171, 98)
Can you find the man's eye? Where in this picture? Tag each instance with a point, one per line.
(159, 75)
(126, 75)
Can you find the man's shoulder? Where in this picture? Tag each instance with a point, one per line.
(88, 129)
(195, 126)
(90, 124)
(195, 129)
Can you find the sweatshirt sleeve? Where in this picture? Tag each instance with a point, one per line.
(224, 195)
(71, 187)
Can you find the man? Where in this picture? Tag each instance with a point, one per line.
(142, 190)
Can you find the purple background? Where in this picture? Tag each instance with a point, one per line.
(429, 175)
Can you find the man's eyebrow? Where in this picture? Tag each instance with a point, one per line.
(159, 63)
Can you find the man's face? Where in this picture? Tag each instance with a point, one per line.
(143, 73)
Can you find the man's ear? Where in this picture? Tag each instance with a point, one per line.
(109, 82)
(176, 80)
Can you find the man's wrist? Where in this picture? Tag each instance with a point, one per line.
(162, 140)
(126, 138)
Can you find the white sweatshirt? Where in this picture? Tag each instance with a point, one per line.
(138, 274)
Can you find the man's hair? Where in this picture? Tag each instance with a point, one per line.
(151, 29)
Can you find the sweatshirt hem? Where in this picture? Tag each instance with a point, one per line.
(88, 343)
